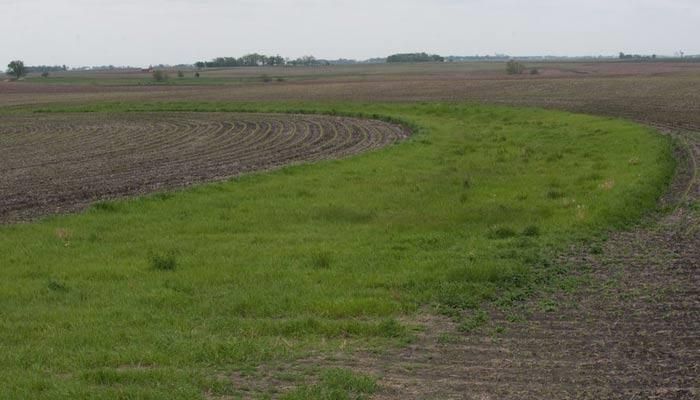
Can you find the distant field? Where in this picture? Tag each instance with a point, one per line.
(175, 295)
(653, 91)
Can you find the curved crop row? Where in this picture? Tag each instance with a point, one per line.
(61, 163)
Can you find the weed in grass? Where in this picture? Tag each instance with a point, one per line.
(501, 232)
(304, 194)
(549, 305)
(336, 384)
(163, 261)
(474, 321)
(596, 249)
(555, 157)
(467, 182)
(554, 194)
(447, 338)
(531, 230)
(162, 196)
(321, 260)
(345, 215)
(55, 285)
(105, 206)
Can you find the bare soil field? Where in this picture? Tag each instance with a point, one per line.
(657, 92)
(60, 163)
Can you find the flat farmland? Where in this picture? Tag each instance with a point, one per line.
(658, 91)
(479, 250)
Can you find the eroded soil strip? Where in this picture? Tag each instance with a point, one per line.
(61, 163)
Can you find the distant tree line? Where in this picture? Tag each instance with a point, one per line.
(259, 60)
(248, 60)
(307, 61)
(414, 57)
(46, 68)
(17, 69)
(624, 56)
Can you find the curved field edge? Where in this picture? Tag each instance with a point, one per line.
(168, 295)
(58, 163)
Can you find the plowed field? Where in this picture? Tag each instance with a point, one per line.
(53, 164)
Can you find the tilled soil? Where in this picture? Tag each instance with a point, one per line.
(60, 163)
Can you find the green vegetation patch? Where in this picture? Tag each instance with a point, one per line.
(161, 296)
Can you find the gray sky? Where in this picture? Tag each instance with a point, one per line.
(142, 32)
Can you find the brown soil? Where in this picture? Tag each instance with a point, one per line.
(55, 164)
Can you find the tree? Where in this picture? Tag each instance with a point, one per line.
(160, 75)
(17, 69)
(514, 68)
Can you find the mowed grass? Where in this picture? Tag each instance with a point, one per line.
(167, 296)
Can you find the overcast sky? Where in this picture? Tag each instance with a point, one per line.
(143, 32)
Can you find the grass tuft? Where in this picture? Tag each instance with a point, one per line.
(336, 384)
(163, 261)
(321, 260)
(531, 230)
(501, 232)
